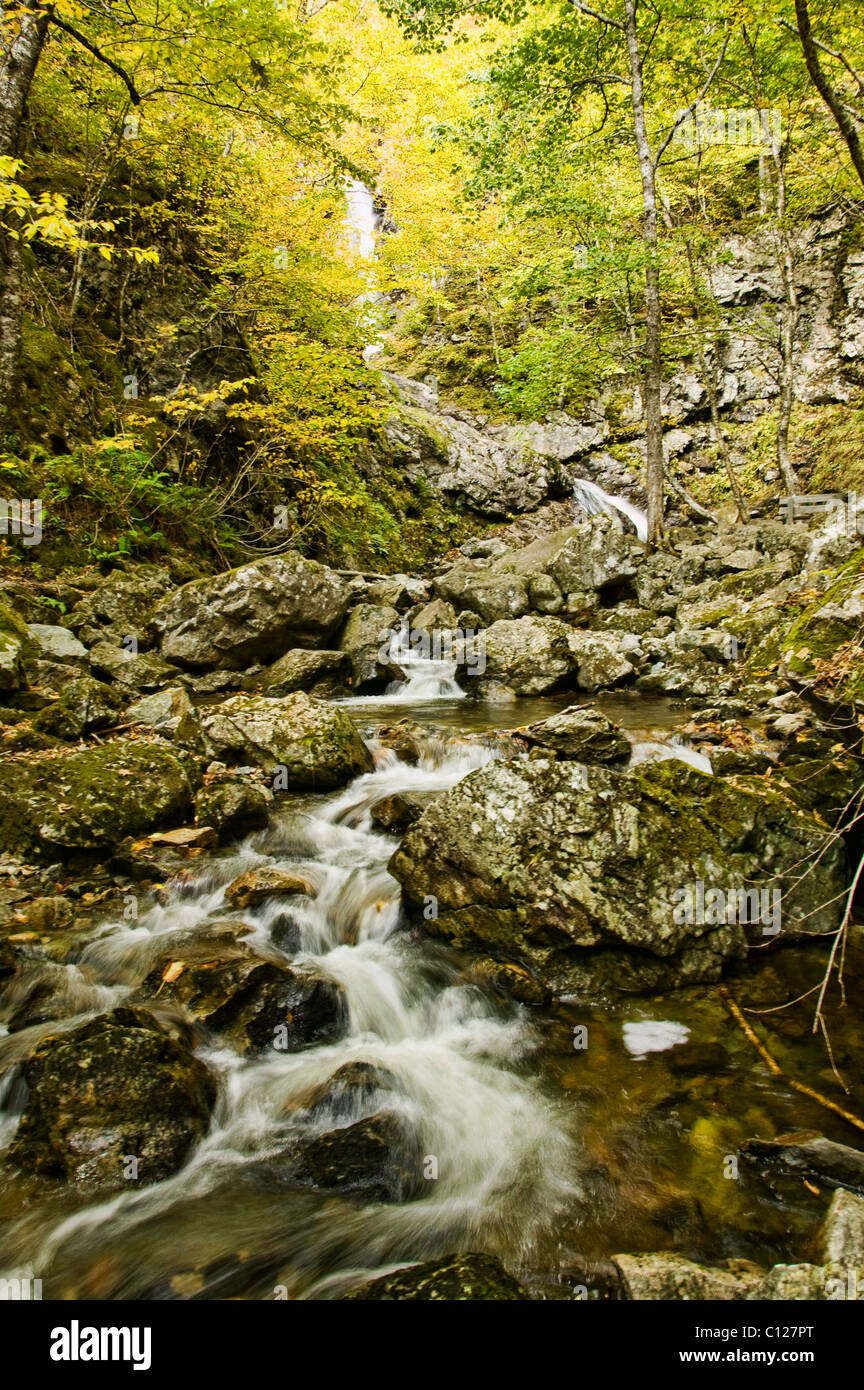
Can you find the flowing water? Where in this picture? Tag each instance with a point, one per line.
(594, 501)
(531, 1147)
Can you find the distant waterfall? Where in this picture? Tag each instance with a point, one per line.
(361, 218)
(593, 500)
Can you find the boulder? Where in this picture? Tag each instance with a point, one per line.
(318, 673)
(581, 733)
(454, 1278)
(233, 806)
(136, 671)
(530, 655)
(254, 1002)
(834, 1165)
(376, 1159)
(118, 608)
(95, 797)
(395, 813)
(602, 658)
(14, 646)
(83, 704)
(119, 1087)
(369, 629)
(254, 613)
(672, 1278)
(162, 711)
(586, 876)
(311, 745)
(259, 885)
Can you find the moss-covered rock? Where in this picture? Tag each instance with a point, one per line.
(94, 798)
(308, 744)
(118, 1088)
(582, 874)
(83, 704)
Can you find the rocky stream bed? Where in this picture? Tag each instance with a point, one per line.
(333, 969)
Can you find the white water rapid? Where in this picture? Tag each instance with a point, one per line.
(593, 500)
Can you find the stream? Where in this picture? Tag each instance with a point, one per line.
(542, 1150)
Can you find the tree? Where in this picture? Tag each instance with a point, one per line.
(848, 117)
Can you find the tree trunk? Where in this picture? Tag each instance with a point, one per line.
(653, 379)
(845, 123)
(17, 68)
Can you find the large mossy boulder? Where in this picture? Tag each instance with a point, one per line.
(590, 877)
(83, 704)
(15, 645)
(459, 1278)
(120, 1087)
(94, 798)
(313, 746)
(119, 606)
(251, 614)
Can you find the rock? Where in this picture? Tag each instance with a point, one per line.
(255, 1002)
(14, 646)
(602, 659)
(672, 1278)
(118, 608)
(835, 1165)
(376, 1158)
(120, 1086)
(189, 837)
(59, 647)
(841, 1235)
(511, 980)
(581, 874)
(310, 745)
(398, 591)
(136, 671)
(494, 476)
(162, 711)
(254, 613)
(84, 704)
(318, 673)
(369, 629)
(581, 733)
(491, 596)
(96, 797)
(530, 655)
(351, 1087)
(395, 813)
(233, 806)
(259, 885)
(454, 1278)
(436, 616)
(799, 1283)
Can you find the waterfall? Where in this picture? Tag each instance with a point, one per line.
(593, 500)
(361, 219)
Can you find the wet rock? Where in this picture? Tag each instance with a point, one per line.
(409, 741)
(96, 797)
(511, 980)
(395, 813)
(318, 673)
(310, 745)
(835, 1165)
(259, 885)
(454, 1278)
(233, 806)
(120, 1086)
(351, 1087)
(570, 869)
(254, 613)
(376, 1159)
(370, 627)
(671, 1277)
(530, 655)
(255, 1002)
(188, 837)
(581, 733)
